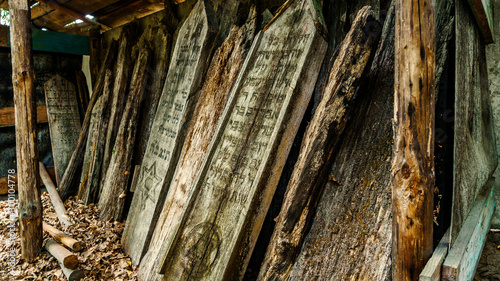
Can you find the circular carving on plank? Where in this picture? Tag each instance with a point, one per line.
(200, 249)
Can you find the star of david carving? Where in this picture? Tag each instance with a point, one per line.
(149, 179)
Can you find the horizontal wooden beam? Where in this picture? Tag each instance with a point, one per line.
(51, 41)
(7, 118)
(463, 258)
(4, 181)
(74, 14)
(432, 270)
(484, 16)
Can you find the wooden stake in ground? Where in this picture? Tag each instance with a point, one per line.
(324, 130)
(54, 196)
(114, 190)
(23, 82)
(78, 153)
(413, 164)
(63, 238)
(63, 255)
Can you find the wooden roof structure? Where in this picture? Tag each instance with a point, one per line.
(56, 15)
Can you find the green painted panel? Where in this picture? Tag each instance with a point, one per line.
(58, 42)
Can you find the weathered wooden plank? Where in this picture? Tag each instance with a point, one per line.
(311, 169)
(351, 234)
(161, 43)
(465, 252)
(7, 115)
(187, 67)
(475, 156)
(135, 177)
(64, 121)
(432, 270)
(122, 74)
(83, 91)
(90, 190)
(114, 189)
(482, 10)
(77, 157)
(221, 76)
(226, 207)
(414, 118)
(23, 82)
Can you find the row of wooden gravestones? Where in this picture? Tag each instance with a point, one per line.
(218, 142)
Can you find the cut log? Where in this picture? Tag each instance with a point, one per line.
(112, 197)
(227, 204)
(188, 65)
(324, 130)
(64, 121)
(54, 197)
(77, 157)
(72, 274)
(62, 255)
(83, 90)
(23, 82)
(221, 76)
(414, 117)
(63, 238)
(122, 74)
(161, 43)
(90, 190)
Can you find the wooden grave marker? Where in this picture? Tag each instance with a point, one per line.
(64, 121)
(226, 207)
(221, 76)
(189, 61)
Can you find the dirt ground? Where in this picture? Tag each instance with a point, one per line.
(102, 258)
(489, 265)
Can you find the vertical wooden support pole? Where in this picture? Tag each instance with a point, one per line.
(413, 164)
(23, 81)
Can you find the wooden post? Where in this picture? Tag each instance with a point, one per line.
(23, 81)
(54, 197)
(413, 164)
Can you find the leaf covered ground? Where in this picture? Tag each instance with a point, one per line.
(102, 259)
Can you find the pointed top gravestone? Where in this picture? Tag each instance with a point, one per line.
(226, 208)
(189, 61)
(64, 121)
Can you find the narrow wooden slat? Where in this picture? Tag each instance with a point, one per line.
(463, 258)
(432, 270)
(7, 115)
(484, 16)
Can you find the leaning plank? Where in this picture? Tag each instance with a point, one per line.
(77, 157)
(227, 204)
(350, 235)
(63, 238)
(64, 121)
(63, 255)
(54, 196)
(122, 74)
(23, 86)
(463, 258)
(83, 91)
(7, 117)
(483, 12)
(91, 189)
(114, 189)
(432, 270)
(221, 76)
(311, 169)
(187, 67)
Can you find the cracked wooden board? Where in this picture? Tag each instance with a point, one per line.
(187, 67)
(230, 197)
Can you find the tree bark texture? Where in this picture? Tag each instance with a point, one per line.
(114, 190)
(324, 130)
(77, 157)
(414, 114)
(23, 81)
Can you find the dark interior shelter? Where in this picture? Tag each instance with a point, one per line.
(249, 140)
